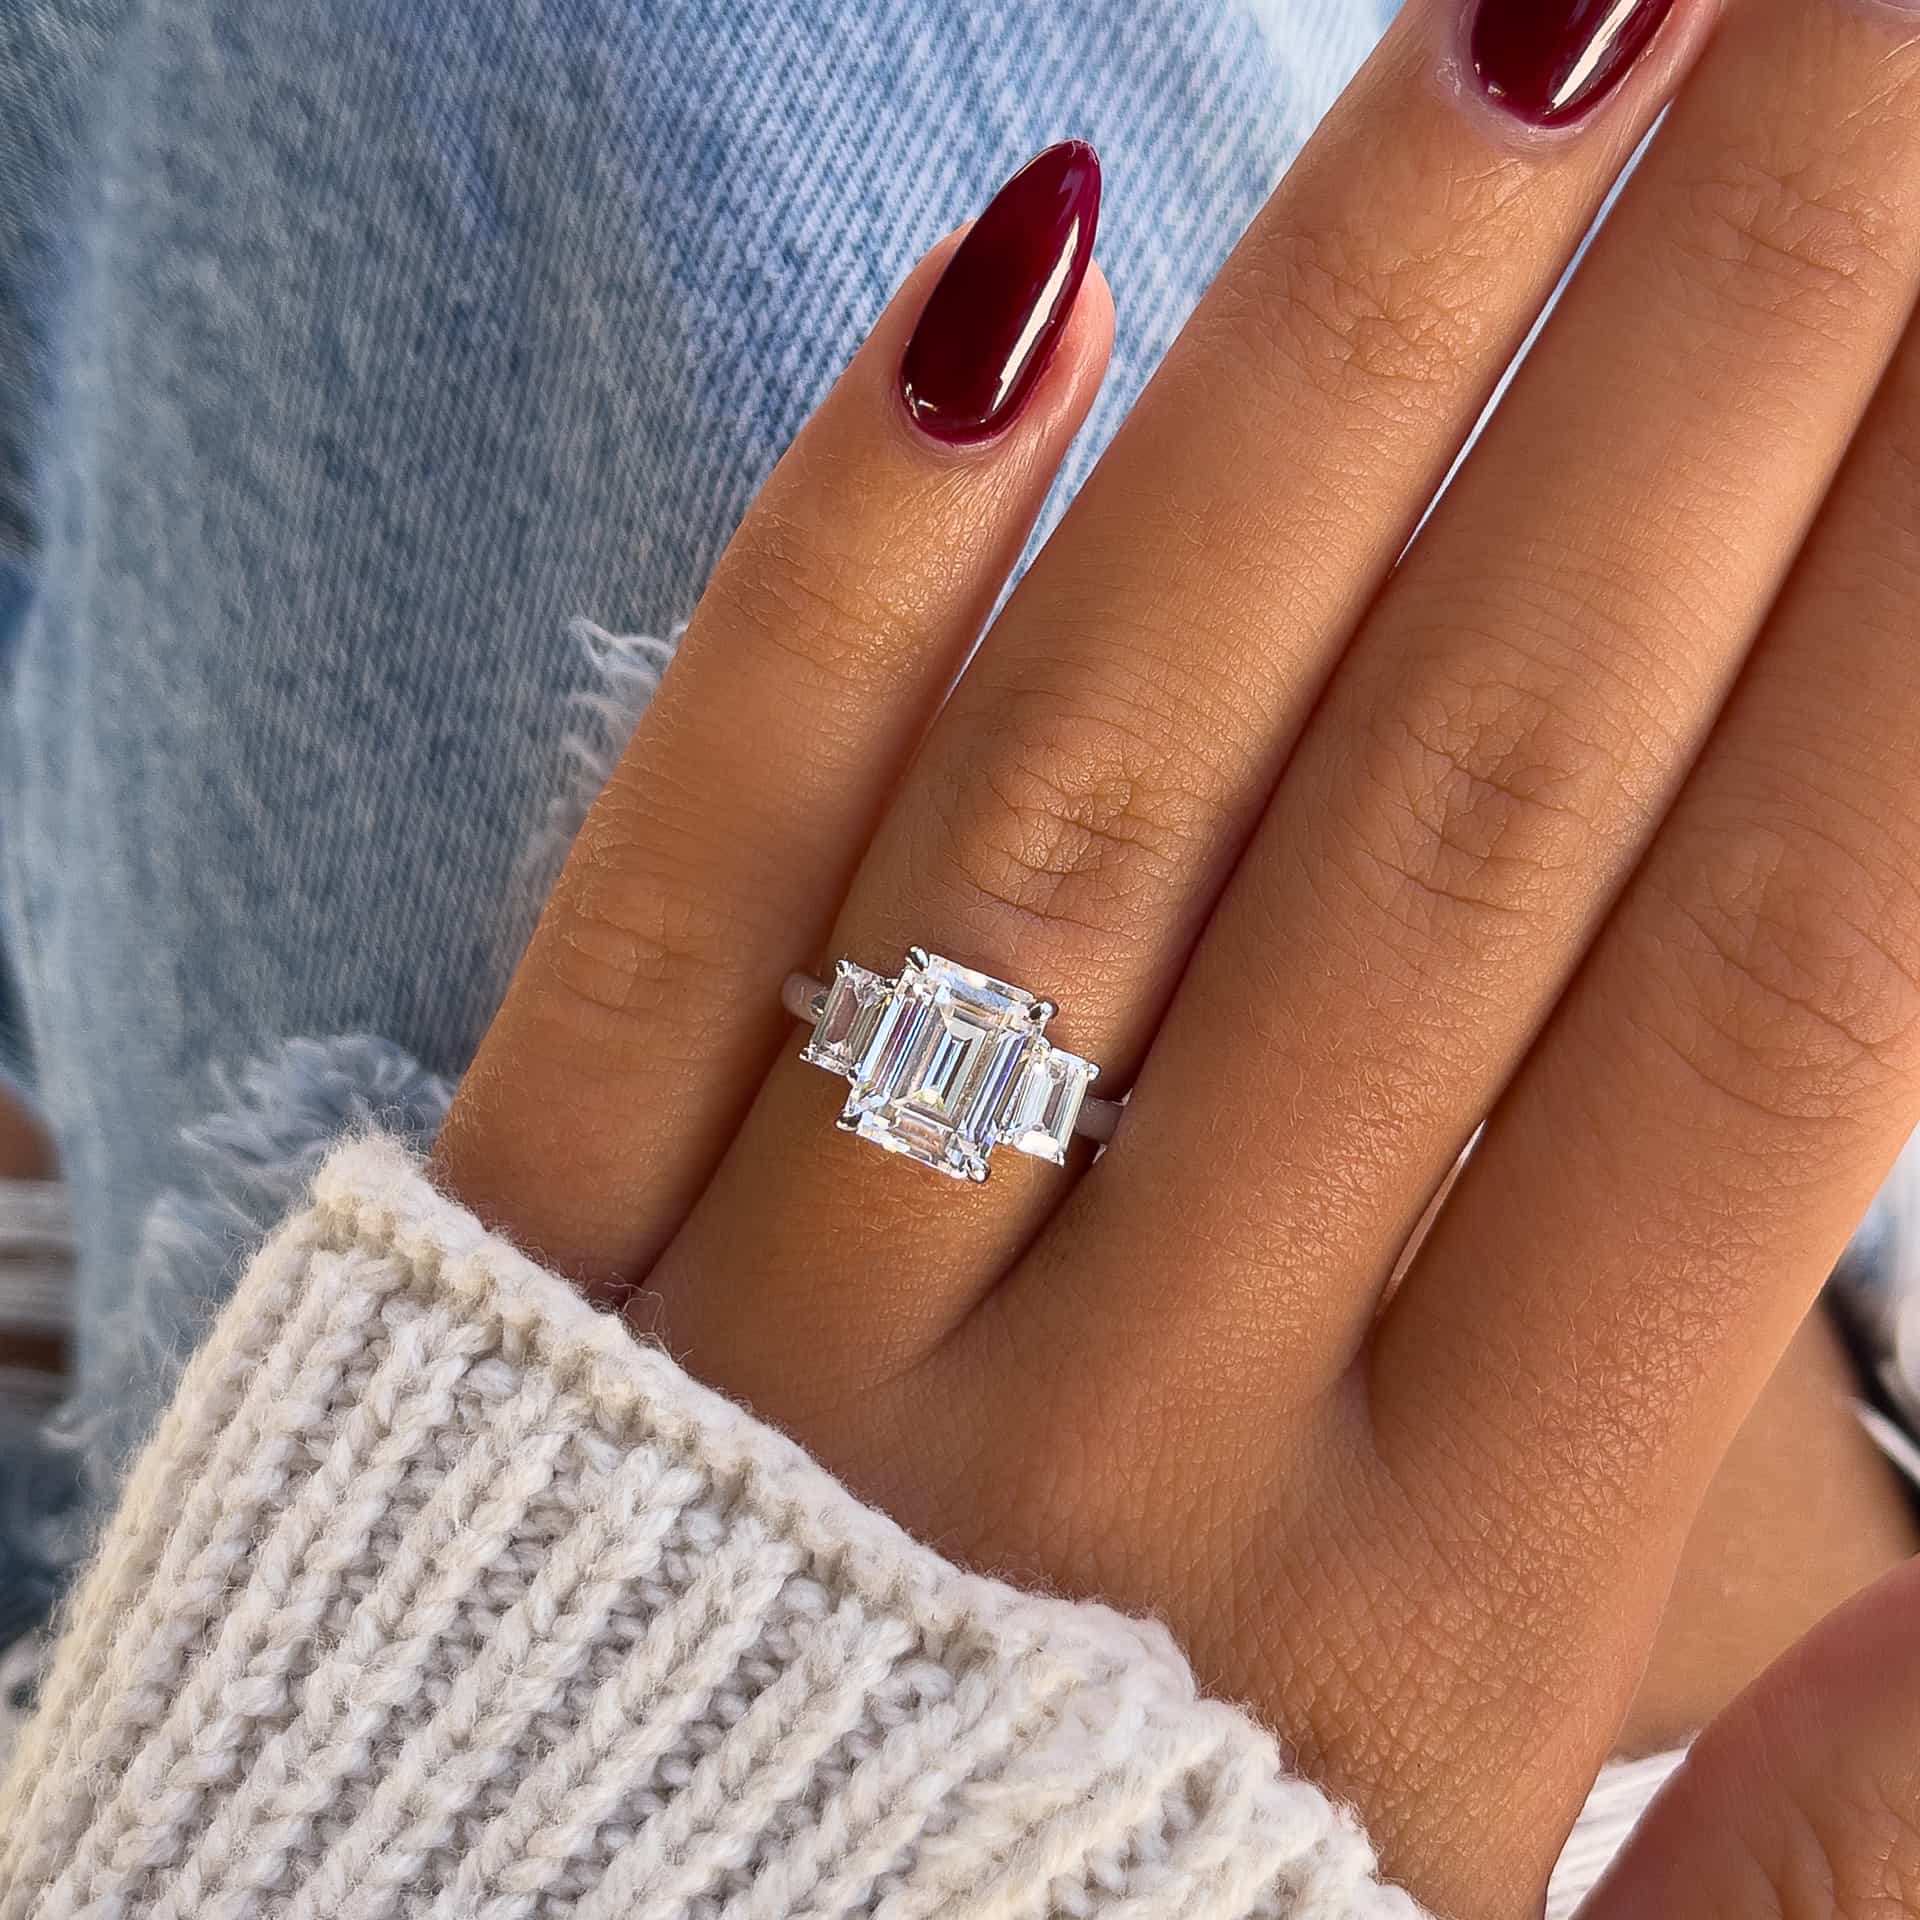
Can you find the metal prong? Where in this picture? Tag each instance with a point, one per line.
(977, 1175)
(919, 958)
(1040, 1013)
(845, 1125)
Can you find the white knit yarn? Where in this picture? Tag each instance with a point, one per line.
(437, 1594)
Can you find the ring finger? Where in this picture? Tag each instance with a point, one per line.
(642, 1016)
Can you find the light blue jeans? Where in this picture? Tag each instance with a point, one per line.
(350, 351)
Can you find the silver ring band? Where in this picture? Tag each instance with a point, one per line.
(946, 1064)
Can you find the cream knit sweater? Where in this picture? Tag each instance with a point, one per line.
(439, 1594)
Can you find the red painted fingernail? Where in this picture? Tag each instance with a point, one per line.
(993, 321)
(1550, 61)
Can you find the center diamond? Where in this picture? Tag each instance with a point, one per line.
(933, 1078)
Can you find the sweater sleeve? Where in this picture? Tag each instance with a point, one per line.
(439, 1594)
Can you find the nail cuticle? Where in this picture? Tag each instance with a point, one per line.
(996, 314)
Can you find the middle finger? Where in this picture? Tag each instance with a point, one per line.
(1081, 800)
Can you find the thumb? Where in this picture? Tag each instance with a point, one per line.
(1802, 1800)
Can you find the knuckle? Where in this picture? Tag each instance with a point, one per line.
(1798, 963)
(1359, 325)
(622, 933)
(1483, 790)
(1069, 817)
(1801, 241)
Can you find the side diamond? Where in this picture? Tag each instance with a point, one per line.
(1045, 1102)
(854, 1004)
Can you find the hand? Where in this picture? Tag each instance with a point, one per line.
(1593, 817)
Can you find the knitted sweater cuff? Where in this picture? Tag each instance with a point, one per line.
(437, 1593)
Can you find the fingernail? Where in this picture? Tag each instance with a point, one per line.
(1550, 61)
(993, 321)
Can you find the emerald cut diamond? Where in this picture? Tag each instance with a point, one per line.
(854, 1003)
(947, 1064)
(1047, 1102)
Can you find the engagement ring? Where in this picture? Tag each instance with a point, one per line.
(946, 1064)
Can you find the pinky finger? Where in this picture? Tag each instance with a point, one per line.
(646, 1009)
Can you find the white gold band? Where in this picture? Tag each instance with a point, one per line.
(947, 1064)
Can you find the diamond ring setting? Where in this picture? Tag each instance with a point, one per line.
(947, 1064)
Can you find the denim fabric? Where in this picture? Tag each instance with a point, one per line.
(348, 348)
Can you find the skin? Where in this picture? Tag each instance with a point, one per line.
(1798, 1801)
(1803, 1514)
(1592, 819)
(26, 1154)
(25, 1151)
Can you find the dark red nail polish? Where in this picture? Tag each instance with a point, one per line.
(1550, 61)
(993, 321)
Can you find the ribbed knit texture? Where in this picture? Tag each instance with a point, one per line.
(437, 1594)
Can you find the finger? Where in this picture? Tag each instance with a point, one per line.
(1513, 720)
(1803, 1797)
(1674, 1171)
(1083, 795)
(646, 1008)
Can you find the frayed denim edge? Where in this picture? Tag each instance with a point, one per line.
(272, 1121)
